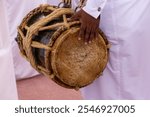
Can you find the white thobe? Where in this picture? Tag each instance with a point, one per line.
(7, 77)
(11, 14)
(126, 25)
(17, 10)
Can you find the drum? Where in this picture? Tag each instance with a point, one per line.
(48, 39)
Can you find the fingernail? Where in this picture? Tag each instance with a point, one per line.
(79, 38)
(86, 43)
(89, 41)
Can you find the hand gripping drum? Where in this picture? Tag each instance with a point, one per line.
(49, 41)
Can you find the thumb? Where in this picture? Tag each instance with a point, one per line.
(76, 16)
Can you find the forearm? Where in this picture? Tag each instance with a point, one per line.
(94, 7)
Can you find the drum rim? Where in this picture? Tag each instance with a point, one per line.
(60, 40)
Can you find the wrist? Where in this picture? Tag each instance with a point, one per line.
(94, 7)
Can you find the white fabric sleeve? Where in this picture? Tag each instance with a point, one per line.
(94, 7)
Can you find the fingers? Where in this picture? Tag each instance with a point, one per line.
(92, 36)
(82, 32)
(89, 26)
(87, 34)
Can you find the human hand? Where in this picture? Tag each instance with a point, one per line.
(89, 26)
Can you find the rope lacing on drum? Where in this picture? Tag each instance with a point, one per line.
(68, 4)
